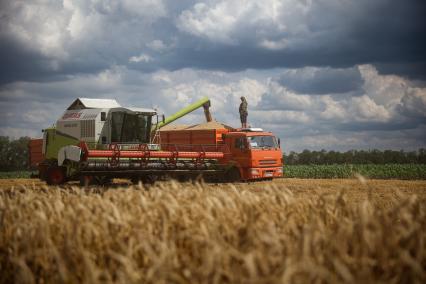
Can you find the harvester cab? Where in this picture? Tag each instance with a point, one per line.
(106, 122)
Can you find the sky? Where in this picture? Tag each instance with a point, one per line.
(320, 74)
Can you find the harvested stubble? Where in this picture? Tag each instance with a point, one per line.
(185, 233)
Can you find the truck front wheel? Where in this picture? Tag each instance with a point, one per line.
(233, 175)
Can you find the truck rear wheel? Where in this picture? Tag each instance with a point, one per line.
(233, 175)
(55, 175)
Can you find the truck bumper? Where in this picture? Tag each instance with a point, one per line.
(264, 173)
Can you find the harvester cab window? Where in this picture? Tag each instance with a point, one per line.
(116, 126)
(130, 128)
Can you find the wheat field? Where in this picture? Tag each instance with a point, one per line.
(286, 231)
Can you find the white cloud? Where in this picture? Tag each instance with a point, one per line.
(225, 98)
(231, 21)
(364, 109)
(141, 58)
(157, 45)
(301, 120)
(108, 78)
(383, 99)
(212, 22)
(333, 109)
(413, 103)
(385, 90)
(278, 97)
(277, 117)
(161, 77)
(148, 9)
(274, 44)
(67, 30)
(40, 26)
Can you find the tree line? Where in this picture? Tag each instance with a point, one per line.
(375, 156)
(14, 156)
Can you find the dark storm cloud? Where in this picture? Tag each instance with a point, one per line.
(19, 63)
(322, 81)
(415, 70)
(336, 34)
(389, 32)
(379, 126)
(236, 58)
(386, 32)
(313, 71)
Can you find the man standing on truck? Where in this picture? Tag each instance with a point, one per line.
(243, 112)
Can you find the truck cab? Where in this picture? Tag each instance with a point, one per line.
(255, 153)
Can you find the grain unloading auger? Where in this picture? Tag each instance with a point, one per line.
(97, 140)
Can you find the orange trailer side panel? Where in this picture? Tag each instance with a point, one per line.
(35, 147)
(192, 137)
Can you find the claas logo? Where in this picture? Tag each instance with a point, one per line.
(72, 115)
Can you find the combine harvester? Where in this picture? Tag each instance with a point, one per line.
(96, 140)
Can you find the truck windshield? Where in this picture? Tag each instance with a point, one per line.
(260, 142)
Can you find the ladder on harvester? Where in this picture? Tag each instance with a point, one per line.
(156, 139)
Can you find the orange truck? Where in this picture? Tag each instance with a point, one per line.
(253, 153)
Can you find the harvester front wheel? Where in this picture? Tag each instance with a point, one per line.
(55, 175)
(94, 180)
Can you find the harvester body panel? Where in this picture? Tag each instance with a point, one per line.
(105, 126)
(54, 141)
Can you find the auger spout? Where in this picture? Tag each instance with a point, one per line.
(204, 102)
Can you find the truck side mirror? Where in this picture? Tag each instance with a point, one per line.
(163, 118)
(279, 142)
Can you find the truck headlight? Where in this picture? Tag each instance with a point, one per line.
(255, 172)
(280, 170)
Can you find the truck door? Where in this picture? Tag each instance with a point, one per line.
(240, 151)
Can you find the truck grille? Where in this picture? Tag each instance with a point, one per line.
(267, 162)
